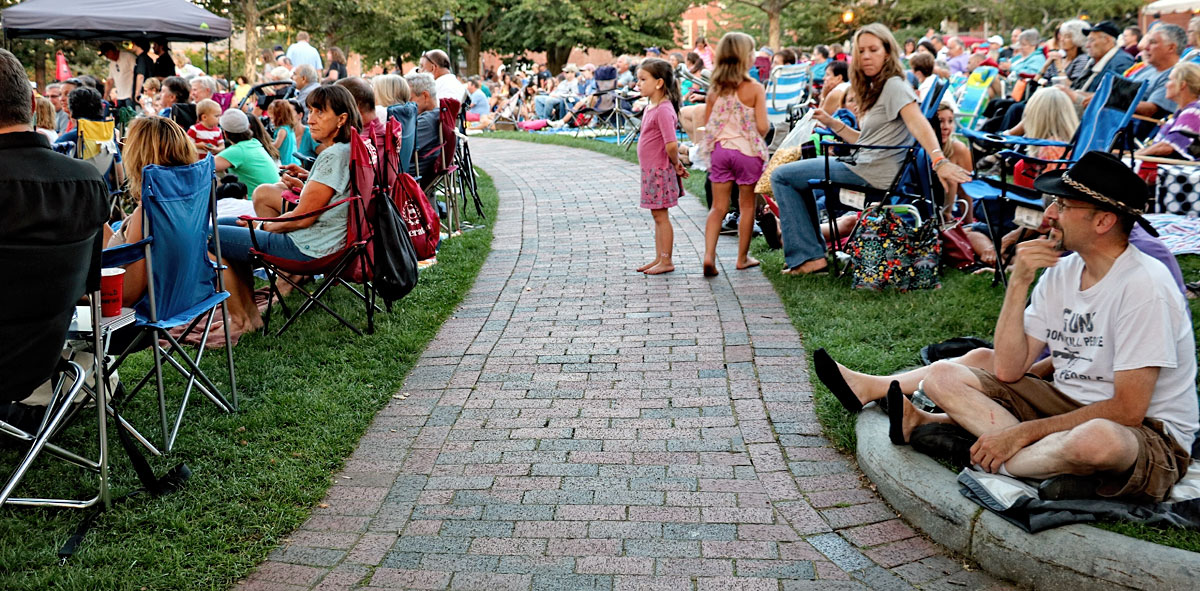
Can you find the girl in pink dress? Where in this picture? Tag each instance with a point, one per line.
(658, 154)
(735, 122)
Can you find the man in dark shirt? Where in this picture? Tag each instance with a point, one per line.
(46, 199)
(164, 66)
(143, 68)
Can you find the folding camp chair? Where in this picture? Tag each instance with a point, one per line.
(53, 277)
(1103, 126)
(975, 97)
(603, 111)
(184, 114)
(349, 265)
(441, 175)
(786, 87)
(184, 287)
(914, 182)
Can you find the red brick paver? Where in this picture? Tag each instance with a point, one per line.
(577, 425)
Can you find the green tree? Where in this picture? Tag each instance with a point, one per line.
(773, 9)
(478, 22)
(558, 26)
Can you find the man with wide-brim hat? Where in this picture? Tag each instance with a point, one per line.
(1120, 416)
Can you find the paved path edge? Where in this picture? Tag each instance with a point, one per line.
(1071, 557)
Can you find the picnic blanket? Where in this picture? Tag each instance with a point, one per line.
(1180, 233)
(1017, 502)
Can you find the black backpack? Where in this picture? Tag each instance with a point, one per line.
(395, 257)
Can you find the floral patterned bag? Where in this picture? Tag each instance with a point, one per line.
(887, 252)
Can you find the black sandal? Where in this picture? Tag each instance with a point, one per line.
(828, 373)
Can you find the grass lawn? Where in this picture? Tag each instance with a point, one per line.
(881, 333)
(306, 399)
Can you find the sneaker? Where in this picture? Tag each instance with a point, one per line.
(1069, 486)
(946, 443)
(557, 124)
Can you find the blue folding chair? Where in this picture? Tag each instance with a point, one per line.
(1104, 126)
(913, 183)
(184, 286)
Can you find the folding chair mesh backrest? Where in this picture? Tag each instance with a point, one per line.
(406, 114)
(785, 88)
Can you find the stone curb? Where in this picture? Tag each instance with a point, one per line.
(1072, 557)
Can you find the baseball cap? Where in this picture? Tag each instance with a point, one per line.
(235, 121)
(1107, 27)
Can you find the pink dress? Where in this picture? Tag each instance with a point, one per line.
(660, 184)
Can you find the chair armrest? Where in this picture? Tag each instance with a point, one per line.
(868, 146)
(315, 212)
(1028, 158)
(1175, 161)
(124, 254)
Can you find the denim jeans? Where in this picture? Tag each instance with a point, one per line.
(549, 107)
(236, 244)
(798, 220)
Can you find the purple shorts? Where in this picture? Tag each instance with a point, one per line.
(731, 165)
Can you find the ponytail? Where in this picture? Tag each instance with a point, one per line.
(661, 70)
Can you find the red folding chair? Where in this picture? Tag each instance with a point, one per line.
(414, 207)
(441, 177)
(350, 265)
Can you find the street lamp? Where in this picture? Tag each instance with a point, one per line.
(448, 27)
(848, 16)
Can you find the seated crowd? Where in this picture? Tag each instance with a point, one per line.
(1121, 409)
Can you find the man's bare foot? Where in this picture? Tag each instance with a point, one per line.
(642, 269)
(660, 268)
(808, 268)
(747, 263)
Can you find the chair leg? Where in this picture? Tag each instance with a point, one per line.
(162, 395)
(229, 355)
(55, 413)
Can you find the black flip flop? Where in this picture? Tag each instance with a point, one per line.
(828, 373)
(895, 400)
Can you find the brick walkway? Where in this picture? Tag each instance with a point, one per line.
(577, 425)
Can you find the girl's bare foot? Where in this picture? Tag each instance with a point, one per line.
(710, 268)
(642, 269)
(747, 263)
(660, 268)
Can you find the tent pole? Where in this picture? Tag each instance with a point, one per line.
(207, 66)
(229, 63)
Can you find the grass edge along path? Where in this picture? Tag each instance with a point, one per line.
(306, 399)
(880, 333)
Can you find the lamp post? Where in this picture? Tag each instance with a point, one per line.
(848, 16)
(448, 27)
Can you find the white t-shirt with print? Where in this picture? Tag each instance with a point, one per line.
(1134, 317)
(121, 72)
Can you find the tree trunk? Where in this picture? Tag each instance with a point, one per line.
(556, 58)
(473, 35)
(39, 68)
(773, 29)
(250, 11)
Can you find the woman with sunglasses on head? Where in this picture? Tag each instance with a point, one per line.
(891, 116)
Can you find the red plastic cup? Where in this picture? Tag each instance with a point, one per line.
(112, 287)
